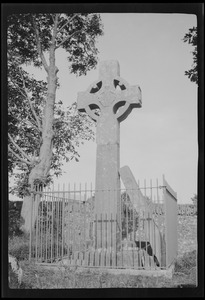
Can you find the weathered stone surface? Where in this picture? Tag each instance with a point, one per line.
(115, 100)
(78, 219)
(187, 234)
(15, 272)
(142, 204)
(132, 188)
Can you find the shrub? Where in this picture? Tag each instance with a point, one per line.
(15, 219)
(187, 262)
(19, 246)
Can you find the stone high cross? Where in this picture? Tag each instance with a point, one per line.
(114, 99)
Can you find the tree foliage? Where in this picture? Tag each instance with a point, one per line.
(194, 200)
(41, 132)
(15, 220)
(30, 35)
(25, 113)
(70, 130)
(191, 38)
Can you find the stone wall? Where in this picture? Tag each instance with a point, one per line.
(187, 234)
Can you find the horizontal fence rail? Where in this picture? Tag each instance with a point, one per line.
(67, 229)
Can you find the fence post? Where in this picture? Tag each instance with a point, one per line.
(41, 220)
(170, 201)
(63, 221)
(31, 221)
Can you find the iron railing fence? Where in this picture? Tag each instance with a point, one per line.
(67, 229)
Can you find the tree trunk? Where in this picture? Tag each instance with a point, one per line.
(41, 169)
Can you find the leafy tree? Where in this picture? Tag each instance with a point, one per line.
(191, 38)
(41, 132)
(194, 199)
(15, 220)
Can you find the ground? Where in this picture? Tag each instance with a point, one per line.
(37, 277)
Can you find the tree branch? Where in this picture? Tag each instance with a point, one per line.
(68, 37)
(84, 47)
(28, 122)
(55, 29)
(20, 150)
(17, 87)
(38, 43)
(30, 103)
(19, 158)
(38, 125)
(52, 18)
(59, 30)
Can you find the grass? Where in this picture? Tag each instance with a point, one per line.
(39, 277)
(19, 247)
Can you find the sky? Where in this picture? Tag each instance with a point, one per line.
(161, 136)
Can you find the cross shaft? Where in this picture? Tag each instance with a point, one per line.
(114, 99)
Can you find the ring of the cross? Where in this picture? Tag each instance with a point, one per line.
(122, 83)
(97, 85)
(94, 87)
(120, 108)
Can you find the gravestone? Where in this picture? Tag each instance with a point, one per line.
(133, 190)
(114, 99)
(143, 206)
